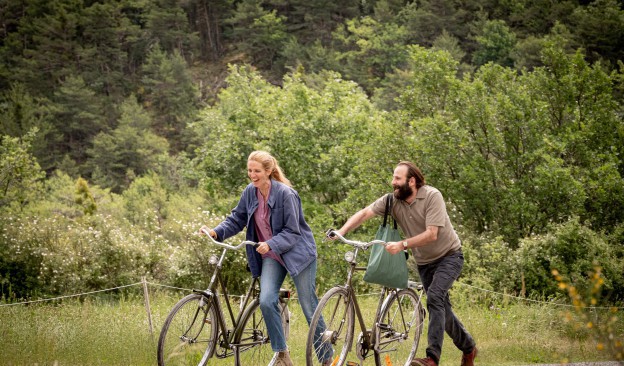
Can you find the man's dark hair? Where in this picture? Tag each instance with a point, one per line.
(413, 171)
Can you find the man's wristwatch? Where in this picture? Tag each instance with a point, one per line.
(404, 244)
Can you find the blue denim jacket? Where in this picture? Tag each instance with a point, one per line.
(292, 236)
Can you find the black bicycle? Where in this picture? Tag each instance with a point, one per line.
(394, 335)
(196, 329)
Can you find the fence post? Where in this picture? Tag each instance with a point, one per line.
(147, 305)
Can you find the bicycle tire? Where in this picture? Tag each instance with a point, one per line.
(253, 346)
(334, 318)
(189, 334)
(401, 318)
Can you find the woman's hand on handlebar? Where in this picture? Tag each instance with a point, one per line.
(205, 229)
(263, 247)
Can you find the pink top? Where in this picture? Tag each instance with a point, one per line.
(263, 225)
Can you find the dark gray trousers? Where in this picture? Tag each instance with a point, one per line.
(437, 278)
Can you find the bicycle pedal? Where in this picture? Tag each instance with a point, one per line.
(351, 363)
(284, 293)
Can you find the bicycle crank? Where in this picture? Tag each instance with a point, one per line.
(363, 345)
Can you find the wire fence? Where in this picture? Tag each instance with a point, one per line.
(537, 301)
(146, 283)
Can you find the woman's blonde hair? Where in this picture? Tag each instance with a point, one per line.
(269, 163)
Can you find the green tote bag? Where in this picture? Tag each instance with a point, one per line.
(389, 270)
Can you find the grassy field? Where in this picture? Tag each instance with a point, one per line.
(96, 331)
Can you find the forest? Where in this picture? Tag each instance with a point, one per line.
(125, 125)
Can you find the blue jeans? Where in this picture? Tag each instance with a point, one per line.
(437, 278)
(273, 274)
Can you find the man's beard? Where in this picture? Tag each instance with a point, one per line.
(402, 192)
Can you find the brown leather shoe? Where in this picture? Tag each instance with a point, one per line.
(468, 358)
(423, 362)
(283, 359)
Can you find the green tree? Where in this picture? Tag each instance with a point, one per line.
(496, 41)
(130, 150)
(108, 42)
(259, 34)
(77, 118)
(517, 152)
(44, 51)
(537, 17)
(599, 28)
(20, 174)
(387, 10)
(170, 94)
(430, 78)
(316, 129)
(449, 43)
(84, 198)
(426, 20)
(167, 25)
(20, 113)
(207, 17)
(585, 129)
(371, 50)
(313, 21)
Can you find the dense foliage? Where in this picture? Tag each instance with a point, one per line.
(124, 129)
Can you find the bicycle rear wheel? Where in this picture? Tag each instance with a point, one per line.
(189, 334)
(253, 346)
(399, 327)
(331, 329)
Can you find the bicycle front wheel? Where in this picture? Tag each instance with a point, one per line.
(331, 329)
(399, 327)
(189, 334)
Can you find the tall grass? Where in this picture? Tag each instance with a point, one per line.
(104, 331)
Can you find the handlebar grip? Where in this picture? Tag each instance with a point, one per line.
(330, 233)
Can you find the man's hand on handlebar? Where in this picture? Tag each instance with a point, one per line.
(330, 234)
(393, 247)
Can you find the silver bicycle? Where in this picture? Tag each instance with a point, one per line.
(394, 335)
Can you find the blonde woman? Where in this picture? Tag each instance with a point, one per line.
(271, 211)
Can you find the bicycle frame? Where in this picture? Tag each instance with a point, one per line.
(214, 297)
(369, 338)
(367, 341)
(252, 292)
(204, 311)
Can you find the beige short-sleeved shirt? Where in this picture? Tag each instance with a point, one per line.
(427, 209)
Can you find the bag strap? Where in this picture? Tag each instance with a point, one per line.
(388, 208)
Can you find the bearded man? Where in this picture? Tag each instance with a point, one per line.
(420, 212)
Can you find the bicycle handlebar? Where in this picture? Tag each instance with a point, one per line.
(358, 244)
(206, 230)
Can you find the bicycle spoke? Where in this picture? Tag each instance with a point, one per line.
(188, 336)
(253, 344)
(400, 327)
(331, 329)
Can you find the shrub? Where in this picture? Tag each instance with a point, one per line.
(570, 248)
